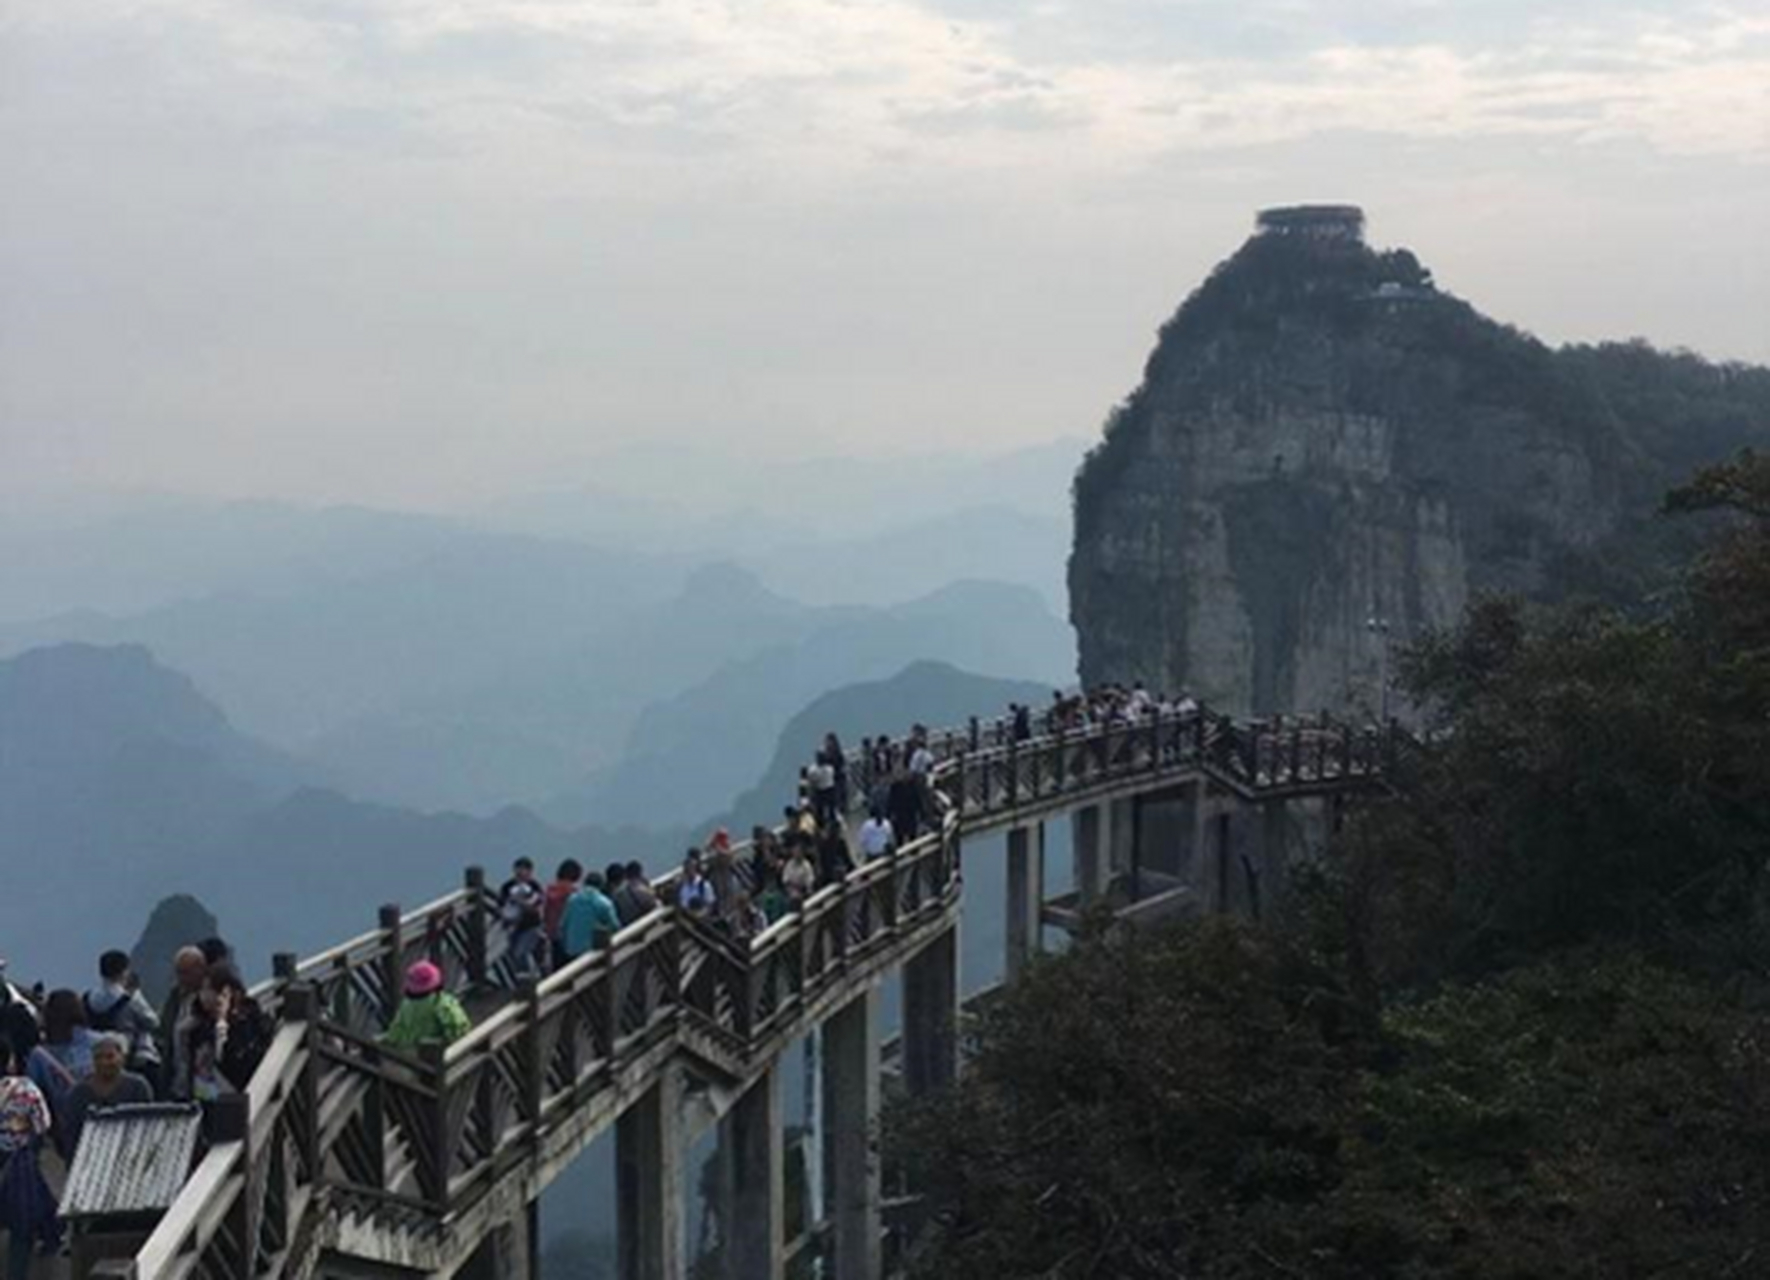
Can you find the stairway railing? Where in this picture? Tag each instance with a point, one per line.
(334, 1121)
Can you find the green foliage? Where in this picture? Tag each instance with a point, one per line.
(1198, 1104)
(1129, 1104)
(1513, 1027)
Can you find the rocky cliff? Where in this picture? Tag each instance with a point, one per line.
(1323, 438)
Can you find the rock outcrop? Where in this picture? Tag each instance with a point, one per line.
(1323, 440)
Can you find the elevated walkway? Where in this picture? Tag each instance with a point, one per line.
(357, 1159)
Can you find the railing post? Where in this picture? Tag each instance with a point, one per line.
(1155, 741)
(475, 882)
(393, 967)
(230, 1120)
(375, 1121)
(534, 1075)
(894, 889)
(435, 1150)
(301, 1004)
(1013, 773)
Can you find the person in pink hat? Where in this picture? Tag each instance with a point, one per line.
(428, 1012)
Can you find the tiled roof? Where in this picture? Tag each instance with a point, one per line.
(132, 1159)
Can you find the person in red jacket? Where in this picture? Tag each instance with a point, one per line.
(565, 883)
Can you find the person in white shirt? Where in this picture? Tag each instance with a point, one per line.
(922, 760)
(875, 835)
(822, 777)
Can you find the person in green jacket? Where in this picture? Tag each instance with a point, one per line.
(428, 1012)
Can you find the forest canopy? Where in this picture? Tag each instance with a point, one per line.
(1515, 1023)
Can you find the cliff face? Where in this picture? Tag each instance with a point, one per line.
(1322, 438)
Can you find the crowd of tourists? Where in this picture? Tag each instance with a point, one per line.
(65, 1055)
(738, 889)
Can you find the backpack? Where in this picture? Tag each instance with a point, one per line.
(105, 1020)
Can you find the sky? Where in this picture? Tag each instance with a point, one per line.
(434, 252)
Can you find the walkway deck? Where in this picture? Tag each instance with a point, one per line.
(408, 1161)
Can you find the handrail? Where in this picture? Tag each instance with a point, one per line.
(432, 1131)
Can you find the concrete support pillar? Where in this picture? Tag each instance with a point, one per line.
(648, 1178)
(1084, 824)
(1273, 858)
(931, 1016)
(509, 1251)
(1206, 862)
(753, 1216)
(1026, 894)
(851, 1158)
(1122, 842)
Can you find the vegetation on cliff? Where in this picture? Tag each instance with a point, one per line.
(1286, 325)
(1514, 1025)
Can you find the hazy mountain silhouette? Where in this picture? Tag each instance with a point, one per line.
(694, 751)
(295, 666)
(177, 921)
(534, 728)
(153, 552)
(737, 504)
(936, 694)
(121, 785)
(111, 767)
(994, 543)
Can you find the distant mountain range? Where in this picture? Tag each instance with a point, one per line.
(692, 752)
(121, 785)
(437, 665)
(932, 693)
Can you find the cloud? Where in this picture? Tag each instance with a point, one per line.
(837, 84)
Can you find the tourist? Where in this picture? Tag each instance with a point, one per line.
(27, 1205)
(117, 1007)
(565, 883)
(719, 867)
(921, 755)
(521, 901)
(636, 900)
(695, 893)
(875, 836)
(109, 1085)
(798, 876)
(64, 1058)
(834, 861)
(833, 755)
(428, 1013)
(178, 1017)
(614, 879)
(904, 805)
(20, 1026)
(746, 920)
(228, 1037)
(821, 781)
(591, 920)
(772, 898)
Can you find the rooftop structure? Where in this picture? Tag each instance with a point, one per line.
(132, 1159)
(1313, 221)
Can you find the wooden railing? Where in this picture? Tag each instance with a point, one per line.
(337, 1123)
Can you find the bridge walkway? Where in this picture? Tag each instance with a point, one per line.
(357, 1153)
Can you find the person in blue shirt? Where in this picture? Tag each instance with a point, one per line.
(590, 919)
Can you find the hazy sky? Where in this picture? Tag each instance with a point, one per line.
(427, 251)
